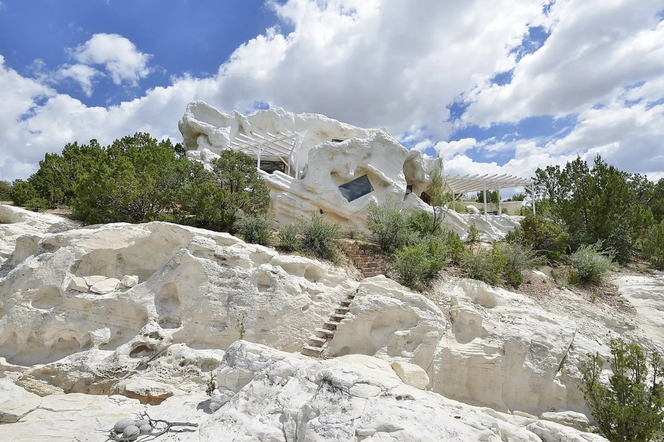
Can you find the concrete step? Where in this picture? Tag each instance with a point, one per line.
(311, 351)
(338, 317)
(341, 310)
(329, 325)
(345, 303)
(315, 341)
(325, 332)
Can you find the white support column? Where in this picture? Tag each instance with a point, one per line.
(500, 207)
(485, 204)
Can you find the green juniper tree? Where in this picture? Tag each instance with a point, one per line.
(629, 408)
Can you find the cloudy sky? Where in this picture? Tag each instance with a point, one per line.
(492, 86)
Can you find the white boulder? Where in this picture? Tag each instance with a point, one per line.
(129, 281)
(105, 286)
(411, 374)
(78, 284)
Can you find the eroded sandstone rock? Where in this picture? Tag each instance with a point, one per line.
(272, 395)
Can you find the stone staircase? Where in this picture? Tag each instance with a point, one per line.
(365, 256)
(322, 335)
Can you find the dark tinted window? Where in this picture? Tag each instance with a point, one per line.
(352, 190)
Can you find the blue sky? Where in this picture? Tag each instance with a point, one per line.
(502, 87)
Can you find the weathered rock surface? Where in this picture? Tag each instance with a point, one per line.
(161, 338)
(89, 418)
(275, 396)
(646, 294)
(192, 288)
(20, 225)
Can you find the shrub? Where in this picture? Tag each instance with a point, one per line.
(423, 223)
(289, 238)
(590, 263)
(653, 246)
(318, 237)
(454, 246)
(473, 234)
(412, 265)
(484, 264)
(255, 229)
(517, 259)
(629, 408)
(24, 194)
(546, 238)
(390, 227)
(5, 190)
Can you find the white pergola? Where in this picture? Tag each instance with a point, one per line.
(284, 147)
(460, 184)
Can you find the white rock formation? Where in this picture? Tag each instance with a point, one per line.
(331, 154)
(497, 349)
(269, 395)
(17, 224)
(63, 304)
(161, 339)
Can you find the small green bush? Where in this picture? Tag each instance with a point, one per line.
(653, 246)
(318, 237)
(473, 234)
(423, 223)
(590, 263)
(517, 259)
(289, 238)
(390, 227)
(454, 246)
(548, 239)
(412, 265)
(416, 265)
(484, 264)
(630, 407)
(256, 229)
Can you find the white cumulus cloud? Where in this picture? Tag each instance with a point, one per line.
(81, 73)
(378, 63)
(119, 56)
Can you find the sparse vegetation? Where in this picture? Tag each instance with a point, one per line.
(255, 229)
(390, 227)
(484, 264)
(517, 259)
(314, 236)
(590, 263)
(630, 408)
(546, 238)
(240, 323)
(289, 238)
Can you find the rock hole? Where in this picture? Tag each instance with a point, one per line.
(65, 345)
(305, 308)
(207, 365)
(141, 351)
(47, 298)
(263, 281)
(313, 273)
(9, 346)
(167, 300)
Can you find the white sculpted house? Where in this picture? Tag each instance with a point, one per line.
(312, 163)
